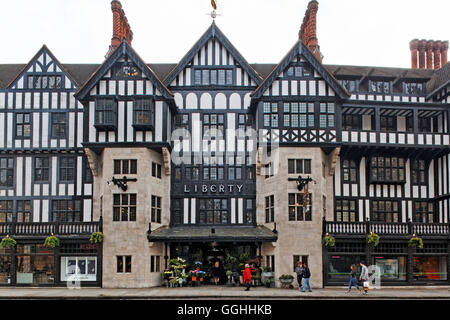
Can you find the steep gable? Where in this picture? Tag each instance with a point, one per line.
(125, 55)
(44, 71)
(299, 73)
(213, 60)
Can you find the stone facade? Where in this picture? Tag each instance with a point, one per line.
(124, 238)
(302, 238)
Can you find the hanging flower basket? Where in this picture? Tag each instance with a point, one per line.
(373, 239)
(52, 242)
(96, 237)
(8, 242)
(329, 241)
(415, 242)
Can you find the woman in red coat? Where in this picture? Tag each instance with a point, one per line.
(247, 277)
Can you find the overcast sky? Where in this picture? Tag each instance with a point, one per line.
(350, 32)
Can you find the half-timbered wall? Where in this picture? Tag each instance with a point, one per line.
(299, 84)
(125, 91)
(27, 109)
(213, 83)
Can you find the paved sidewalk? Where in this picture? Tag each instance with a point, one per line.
(211, 292)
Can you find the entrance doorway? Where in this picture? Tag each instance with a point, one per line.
(208, 253)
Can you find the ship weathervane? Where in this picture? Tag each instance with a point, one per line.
(214, 13)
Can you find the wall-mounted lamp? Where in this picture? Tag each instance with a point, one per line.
(302, 182)
(121, 183)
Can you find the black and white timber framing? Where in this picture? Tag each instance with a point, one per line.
(297, 103)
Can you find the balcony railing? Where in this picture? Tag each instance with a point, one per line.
(403, 138)
(47, 228)
(386, 228)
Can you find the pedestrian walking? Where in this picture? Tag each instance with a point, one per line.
(299, 271)
(353, 279)
(247, 277)
(364, 277)
(306, 276)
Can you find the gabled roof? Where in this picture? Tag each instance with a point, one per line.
(300, 49)
(8, 72)
(123, 49)
(440, 79)
(213, 32)
(44, 49)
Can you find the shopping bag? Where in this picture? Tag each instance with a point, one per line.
(366, 284)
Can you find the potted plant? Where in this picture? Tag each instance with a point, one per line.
(373, 239)
(329, 241)
(229, 274)
(266, 274)
(96, 237)
(8, 242)
(415, 242)
(268, 282)
(231, 262)
(286, 279)
(52, 241)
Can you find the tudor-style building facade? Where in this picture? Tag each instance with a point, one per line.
(201, 159)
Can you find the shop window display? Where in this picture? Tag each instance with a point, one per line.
(84, 268)
(430, 268)
(392, 268)
(35, 270)
(339, 267)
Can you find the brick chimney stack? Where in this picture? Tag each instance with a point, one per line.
(121, 27)
(430, 54)
(308, 32)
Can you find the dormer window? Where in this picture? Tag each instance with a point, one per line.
(380, 87)
(413, 89)
(105, 114)
(143, 114)
(350, 85)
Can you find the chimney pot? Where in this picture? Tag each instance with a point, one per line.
(444, 50)
(414, 46)
(422, 47)
(430, 47)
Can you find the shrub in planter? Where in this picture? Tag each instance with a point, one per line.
(286, 278)
(52, 242)
(328, 241)
(96, 237)
(8, 242)
(415, 242)
(268, 282)
(373, 239)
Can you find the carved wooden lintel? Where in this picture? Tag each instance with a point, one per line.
(166, 159)
(333, 159)
(92, 160)
(259, 160)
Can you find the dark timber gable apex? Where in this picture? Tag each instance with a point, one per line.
(213, 32)
(124, 50)
(44, 67)
(299, 49)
